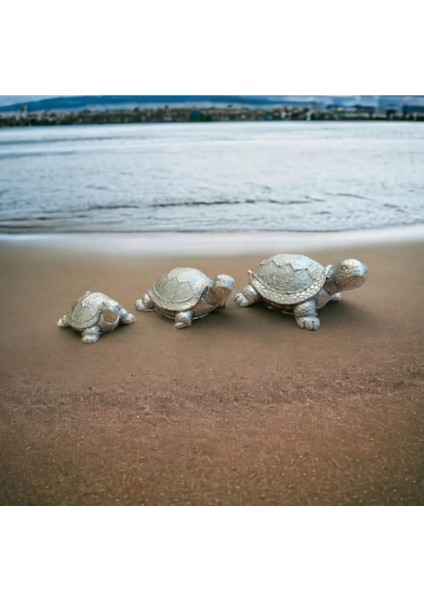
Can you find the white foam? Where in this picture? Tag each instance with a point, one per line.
(212, 243)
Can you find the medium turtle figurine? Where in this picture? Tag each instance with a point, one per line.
(298, 285)
(185, 294)
(93, 314)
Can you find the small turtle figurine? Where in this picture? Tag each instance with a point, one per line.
(298, 285)
(93, 314)
(185, 294)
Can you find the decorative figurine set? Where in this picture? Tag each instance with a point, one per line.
(289, 283)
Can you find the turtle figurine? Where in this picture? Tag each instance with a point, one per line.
(184, 294)
(93, 314)
(298, 285)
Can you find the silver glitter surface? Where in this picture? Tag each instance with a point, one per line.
(296, 284)
(185, 294)
(93, 314)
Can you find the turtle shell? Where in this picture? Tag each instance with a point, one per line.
(86, 311)
(288, 278)
(180, 289)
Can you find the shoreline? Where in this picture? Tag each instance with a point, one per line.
(213, 243)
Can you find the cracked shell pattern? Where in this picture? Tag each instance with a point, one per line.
(86, 311)
(288, 278)
(180, 289)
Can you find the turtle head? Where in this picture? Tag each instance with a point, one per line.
(349, 274)
(221, 288)
(108, 318)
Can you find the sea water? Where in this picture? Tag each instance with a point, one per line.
(273, 176)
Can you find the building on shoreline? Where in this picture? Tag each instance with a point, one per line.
(196, 114)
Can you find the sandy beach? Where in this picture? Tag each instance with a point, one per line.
(243, 408)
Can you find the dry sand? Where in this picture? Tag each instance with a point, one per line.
(243, 408)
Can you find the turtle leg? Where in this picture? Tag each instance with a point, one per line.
(91, 334)
(145, 303)
(125, 317)
(63, 321)
(336, 297)
(305, 314)
(248, 296)
(184, 319)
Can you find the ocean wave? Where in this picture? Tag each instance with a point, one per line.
(224, 202)
(281, 177)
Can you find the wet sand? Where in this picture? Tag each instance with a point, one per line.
(243, 408)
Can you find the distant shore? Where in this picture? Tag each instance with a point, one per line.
(193, 114)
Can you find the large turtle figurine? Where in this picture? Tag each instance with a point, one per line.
(185, 294)
(93, 314)
(298, 285)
